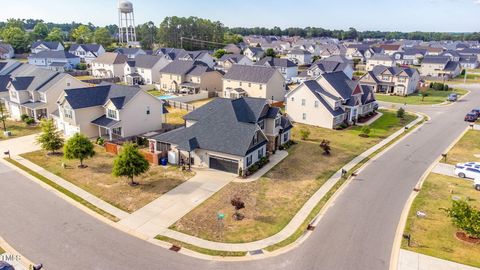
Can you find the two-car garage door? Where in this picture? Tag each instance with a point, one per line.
(223, 164)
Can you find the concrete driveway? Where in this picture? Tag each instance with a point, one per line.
(19, 145)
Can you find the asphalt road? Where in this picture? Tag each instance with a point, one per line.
(357, 231)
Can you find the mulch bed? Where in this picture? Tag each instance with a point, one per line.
(366, 118)
(468, 239)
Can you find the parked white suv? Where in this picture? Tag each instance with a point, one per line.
(468, 170)
(476, 184)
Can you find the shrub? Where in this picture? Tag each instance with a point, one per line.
(401, 113)
(431, 85)
(82, 66)
(325, 145)
(465, 217)
(365, 131)
(100, 141)
(304, 134)
(445, 87)
(29, 121)
(24, 117)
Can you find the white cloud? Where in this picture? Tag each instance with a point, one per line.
(476, 2)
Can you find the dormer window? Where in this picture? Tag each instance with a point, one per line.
(261, 124)
(148, 110)
(255, 138)
(277, 121)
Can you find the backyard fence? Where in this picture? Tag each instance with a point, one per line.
(100, 80)
(180, 105)
(77, 73)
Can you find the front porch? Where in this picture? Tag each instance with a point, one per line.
(109, 129)
(189, 88)
(134, 79)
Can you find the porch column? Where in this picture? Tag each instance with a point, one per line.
(110, 134)
(99, 132)
(35, 114)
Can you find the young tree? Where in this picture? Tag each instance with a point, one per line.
(130, 163)
(325, 145)
(424, 94)
(79, 147)
(3, 117)
(219, 53)
(304, 134)
(55, 34)
(238, 204)
(401, 113)
(82, 34)
(365, 131)
(102, 36)
(17, 37)
(465, 217)
(270, 52)
(50, 139)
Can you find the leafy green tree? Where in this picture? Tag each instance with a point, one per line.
(401, 113)
(79, 147)
(15, 23)
(40, 31)
(82, 34)
(55, 34)
(102, 36)
(147, 35)
(465, 217)
(270, 52)
(130, 163)
(3, 117)
(229, 37)
(219, 53)
(50, 139)
(17, 37)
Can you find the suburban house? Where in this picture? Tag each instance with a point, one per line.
(288, 68)
(109, 65)
(412, 56)
(470, 52)
(40, 46)
(329, 101)
(254, 53)
(380, 60)
(190, 77)
(390, 49)
(392, 80)
(55, 60)
(328, 65)
(34, 91)
(130, 53)
(440, 67)
(232, 49)
(87, 52)
(300, 57)
(4, 81)
(199, 56)
(108, 110)
(228, 60)
(469, 62)
(144, 69)
(6, 51)
(254, 81)
(245, 130)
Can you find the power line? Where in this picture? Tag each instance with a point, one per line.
(200, 41)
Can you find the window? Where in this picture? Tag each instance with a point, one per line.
(249, 160)
(316, 104)
(304, 116)
(112, 114)
(277, 121)
(117, 131)
(148, 110)
(261, 86)
(67, 113)
(260, 153)
(255, 138)
(262, 124)
(303, 102)
(285, 137)
(292, 99)
(249, 85)
(240, 83)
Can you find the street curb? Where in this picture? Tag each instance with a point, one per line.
(397, 243)
(10, 250)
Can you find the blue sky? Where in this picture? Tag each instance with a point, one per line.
(387, 15)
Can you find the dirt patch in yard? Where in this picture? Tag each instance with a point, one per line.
(98, 180)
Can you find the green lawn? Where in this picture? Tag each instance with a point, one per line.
(466, 150)
(434, 97)
(273, 200)
(2, 250)
(18, 129)
(435, 234)
(156, 93)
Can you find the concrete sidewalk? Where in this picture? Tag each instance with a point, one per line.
(171, 206)
(445, 169)
(409, 260)
(299, 217)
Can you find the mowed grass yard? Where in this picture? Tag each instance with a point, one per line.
(434, 97)
(435, 234)
(98, 180)
(18, 129)
(466, 150)
(272, 201)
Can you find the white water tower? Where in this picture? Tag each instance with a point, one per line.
(126, 23)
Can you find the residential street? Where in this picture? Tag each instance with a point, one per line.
(356, 233)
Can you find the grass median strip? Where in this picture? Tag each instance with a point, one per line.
(272, 201)
(467, 149)
(202, 250)
(433, 97)
(63, 190)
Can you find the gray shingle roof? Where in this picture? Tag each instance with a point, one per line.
(318, 91)
(146, 61)
(343, 85)
(377, 70)
(103, 121)
(433, 59)
(4, 80)
(233, 121)
(93, 48)
(255, 74)
(49, 44)
(99, 95)
(54, 55)
(381, 57)
(276, 62)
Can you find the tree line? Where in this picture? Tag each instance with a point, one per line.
(190, 33)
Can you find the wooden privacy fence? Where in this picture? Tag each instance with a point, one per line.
(114, 148)
(180, 105)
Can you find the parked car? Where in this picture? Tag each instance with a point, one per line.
(475, 165)
(452, 97)
(471, 117)
(467, 172)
